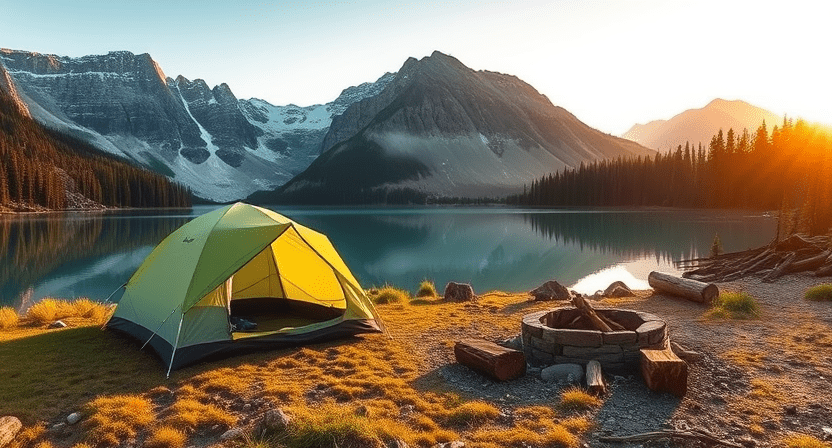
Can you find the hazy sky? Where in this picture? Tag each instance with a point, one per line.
(611, 63)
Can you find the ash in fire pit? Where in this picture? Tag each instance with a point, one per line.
(564, 335)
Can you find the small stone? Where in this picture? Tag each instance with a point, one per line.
(246, 407)
(827, 431)
(397, 443)
(361, 411)
(232, 434)
(748, 441)
(74, 418)
(276, 420)
(58, 426)
(515, 343)
(562, 372)
(57, 324)
(791, 410)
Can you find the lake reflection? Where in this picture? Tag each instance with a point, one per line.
(85, 254)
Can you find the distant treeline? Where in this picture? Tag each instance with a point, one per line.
(36, 166)
(790, 169)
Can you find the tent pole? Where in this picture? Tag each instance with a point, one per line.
(114, 292)
(176, 344)
(160, 326)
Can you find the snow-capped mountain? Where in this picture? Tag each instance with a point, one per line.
(440, 129)
(222, 147)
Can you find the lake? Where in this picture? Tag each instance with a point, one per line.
(88, 254)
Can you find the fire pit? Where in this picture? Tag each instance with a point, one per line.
(563, 335)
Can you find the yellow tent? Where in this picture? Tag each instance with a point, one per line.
(243, 264)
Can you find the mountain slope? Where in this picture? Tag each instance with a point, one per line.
(441, 129)
(221, 147)
(699, 125)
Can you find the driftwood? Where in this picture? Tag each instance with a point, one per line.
(663, 371)
(683, 287)
(594, 379)
(694, 434)
(797, 253)
(491, 359)
(599, 321)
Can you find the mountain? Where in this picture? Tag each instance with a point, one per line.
(699, 125)
(441, 129)
(222, 147)
(42, 169)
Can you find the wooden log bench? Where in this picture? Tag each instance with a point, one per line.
(494, 360)
(663, 371)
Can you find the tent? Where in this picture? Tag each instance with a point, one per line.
(241, 261)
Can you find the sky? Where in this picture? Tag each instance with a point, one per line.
(611, 63)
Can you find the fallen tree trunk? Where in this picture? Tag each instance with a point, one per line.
(810, 263)
(594, 378)
(491, 359)
(780, 269)
(683, 287)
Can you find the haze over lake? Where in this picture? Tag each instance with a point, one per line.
(90, 254)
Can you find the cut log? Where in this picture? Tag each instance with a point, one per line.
(663, 371)
(780, 269)
(810, 263)
(599, 322)
(9, 427)
(683, 287)
(490, 359)
(594, 378)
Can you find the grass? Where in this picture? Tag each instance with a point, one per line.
(364, 391)
(819, 293)
(575, 399)
(388, 294)
(8, 318)
(166, 437)
(734, 305)
(426, 289)
(804, 441)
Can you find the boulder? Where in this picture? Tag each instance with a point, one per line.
(232, 434)
(550, 290)
(459, 292)
(563, 372)
(274, 420)
(9, 427)
(618, 289)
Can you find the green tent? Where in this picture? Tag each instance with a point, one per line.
(241, 262)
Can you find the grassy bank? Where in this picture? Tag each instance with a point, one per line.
(366, 391)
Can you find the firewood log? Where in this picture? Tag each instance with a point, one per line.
(496, 361)
(683, 287)
(663, 371)
(594, 378)
(587, 311)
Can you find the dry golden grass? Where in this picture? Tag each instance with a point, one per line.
(190, 414)
(114, 419)
(166, 437)
(426, 289)
(8, 318)
(804, 441)
(389, 294)
(734, 305)
(49, 310)
(364, 392)
(576, 399)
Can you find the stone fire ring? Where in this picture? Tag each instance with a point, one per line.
(544, 344)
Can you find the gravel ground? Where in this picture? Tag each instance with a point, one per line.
(758, 380)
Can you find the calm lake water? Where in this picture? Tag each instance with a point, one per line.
(90, 254)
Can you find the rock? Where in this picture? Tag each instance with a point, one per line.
(397, 443)
(454, 444)
(57, 324)
(618, 289)
(232, 434)
(515, 343)
(274, 420)
(74, 418)
(790, 410)
(9, 427)
(827, 431)
(459, 292)
(748, 441)
(550, 290)
(361, 411)
(562, 372)
(246, 407)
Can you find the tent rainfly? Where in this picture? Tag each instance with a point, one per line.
(241, 262)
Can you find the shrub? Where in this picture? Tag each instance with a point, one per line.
(389, 294)
(716, 246)
(734, 305)
(117, 418)
(166, 437)
(473, 413)
(426, 289)
(8, 318)
(576, 399)
(819, 292)
(804, 441)
(44, 312)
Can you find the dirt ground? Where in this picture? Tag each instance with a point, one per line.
(759, 380)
